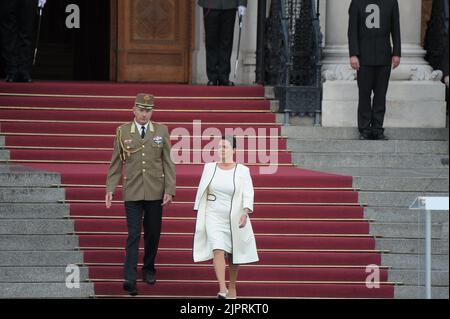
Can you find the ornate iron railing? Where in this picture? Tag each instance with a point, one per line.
(289, 55)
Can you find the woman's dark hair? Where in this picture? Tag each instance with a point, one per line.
(231, 139)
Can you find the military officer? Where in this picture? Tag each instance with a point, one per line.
(219, 19)
(372, 24)
(16, 33)
(143, 148)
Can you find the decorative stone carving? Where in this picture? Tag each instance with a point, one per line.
(423, 73)
(338, 72)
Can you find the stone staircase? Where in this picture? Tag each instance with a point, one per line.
(390, 175)
(37, 241)
(36, 237)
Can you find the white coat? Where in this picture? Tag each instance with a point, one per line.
(243, 239)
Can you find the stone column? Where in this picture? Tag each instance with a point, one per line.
(335, 62)
(414, 66)
(416, 97)
(247, 60)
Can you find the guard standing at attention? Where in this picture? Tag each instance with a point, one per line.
(17, 19)
(219, 19)
(143, 148)
(372, 24)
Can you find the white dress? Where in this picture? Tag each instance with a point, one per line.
(218, 210)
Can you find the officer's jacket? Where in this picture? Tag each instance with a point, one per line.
(372, 24)
(147, 169)
(222, 4)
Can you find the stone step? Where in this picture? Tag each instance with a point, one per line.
(318, 160)
(44, 290)
(411, 246)
(351, 133)
(39, 274)
(416, 277)
(391, 179)
(398, 184)
(400, 113)
(414, 262)
(33, 211)
(4, 155)
(19, 176)
(31, 195)
(393, 199)
(296, 120)
(352, 146)
(408, 230)
(36, 227)
(405, 172)
(402, 215)
(418, 292)
(40, 258)
(269, 92)
(38, 242)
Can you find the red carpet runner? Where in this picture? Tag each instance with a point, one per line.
(311, 232)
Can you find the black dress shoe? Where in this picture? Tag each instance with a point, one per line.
(212, 83)
(226, 83)
(25, 77)
(149, 278)
(130, 287)
(365, 137)
(11, 77)
(380, 137)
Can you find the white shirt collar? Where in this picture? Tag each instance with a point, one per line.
(139, 126)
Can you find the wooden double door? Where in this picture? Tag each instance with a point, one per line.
(152, 40)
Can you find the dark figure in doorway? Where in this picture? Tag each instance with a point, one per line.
(17, 24)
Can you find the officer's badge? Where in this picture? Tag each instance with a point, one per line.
(127, 142)
(158, 140)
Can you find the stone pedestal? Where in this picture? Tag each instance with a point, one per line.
(412, 104)
(416, 96)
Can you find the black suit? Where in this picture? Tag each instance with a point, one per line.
(219, 19)
(372, 24)
(219, 33)
(17, 19)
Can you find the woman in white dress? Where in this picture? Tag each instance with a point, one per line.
(224, 200)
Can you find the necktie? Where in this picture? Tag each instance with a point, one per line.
(143, 132)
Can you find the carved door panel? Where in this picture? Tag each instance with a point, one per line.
(154, 40)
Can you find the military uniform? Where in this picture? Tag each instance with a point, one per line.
(219, 19)
(372, 24)
(148, 174)
(17, 19)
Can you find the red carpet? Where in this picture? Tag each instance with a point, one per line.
(311, 233)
